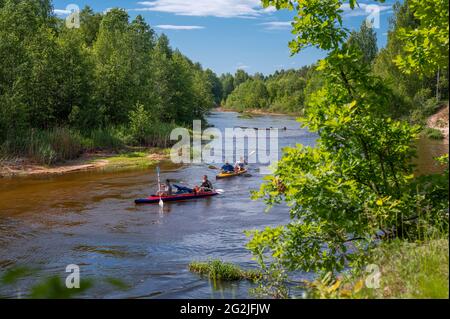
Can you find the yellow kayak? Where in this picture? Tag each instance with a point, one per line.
(227, 175)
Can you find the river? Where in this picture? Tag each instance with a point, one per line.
(90, 219)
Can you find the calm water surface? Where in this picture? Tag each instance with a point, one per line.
(90, 219)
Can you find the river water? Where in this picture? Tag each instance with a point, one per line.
(90, 219)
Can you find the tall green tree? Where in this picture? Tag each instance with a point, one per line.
(216, 86)
(90, 25)
(114, 66)
(365, 40)
(427, 45)
(251, 94)
(240, 77)
(357, 182)
(227, 84)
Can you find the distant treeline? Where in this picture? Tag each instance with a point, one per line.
(416, 97)
(109, 82)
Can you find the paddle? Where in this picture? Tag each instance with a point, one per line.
(161, 203)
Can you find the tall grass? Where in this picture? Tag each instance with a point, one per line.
(60, 144)
(433, 133)
(412, 270)
(218, 270)
(44, 146)
(153, 134)
(105, 139)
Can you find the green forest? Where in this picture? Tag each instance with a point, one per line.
(115, 82)
(414, 96)
(108, 83)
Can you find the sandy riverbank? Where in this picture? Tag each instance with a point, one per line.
(253, 112)
(439, 121)
(20, 167)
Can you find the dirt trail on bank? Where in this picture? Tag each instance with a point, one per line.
(439, 121)
(25, 167)
(89, 161)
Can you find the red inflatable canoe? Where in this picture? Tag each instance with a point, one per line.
(154, 199)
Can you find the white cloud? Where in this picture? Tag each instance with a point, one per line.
(179, 27)
(242, 66)
(61, 12)
(277, 25)
(215, 8)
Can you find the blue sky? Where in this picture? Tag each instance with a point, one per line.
(225, 35)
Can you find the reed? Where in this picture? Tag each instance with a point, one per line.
(219, 270)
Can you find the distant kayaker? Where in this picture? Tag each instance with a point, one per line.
(240, 165)
(227, 168)
(166, 189)
(206, 185)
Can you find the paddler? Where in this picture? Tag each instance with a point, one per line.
(206, 185)
(240, 165)
(227, 168)
(166, 189)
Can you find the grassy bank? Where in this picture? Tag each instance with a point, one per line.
(50, 147)
(407, 270)
(219, 270)
(124, 159)
(64, 150)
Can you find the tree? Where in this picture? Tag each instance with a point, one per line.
(227, 84)
(412, 91)
(113, 72)
(249, 95)
(426, 46)
(216, 86)
(240, 77)
(75, 81)
(357, 182)
(90, 25)
(366, 41)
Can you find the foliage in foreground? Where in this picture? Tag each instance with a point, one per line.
(52, 287)
(219, 270)
(406, 270)
(357, 186)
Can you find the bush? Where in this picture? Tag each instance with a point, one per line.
(424, 105)
(433, 133)
(106, 139)
(218, 270)
(144, 130)
(407, 270)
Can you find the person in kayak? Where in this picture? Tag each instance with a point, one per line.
(166, 189)
(227, 168)
(183, 189)
(240, 165)
(206, 185)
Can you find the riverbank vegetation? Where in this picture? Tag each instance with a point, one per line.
(400, 269)
(356, 189)
(415, 95)
(219, 270)
(111, 82)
